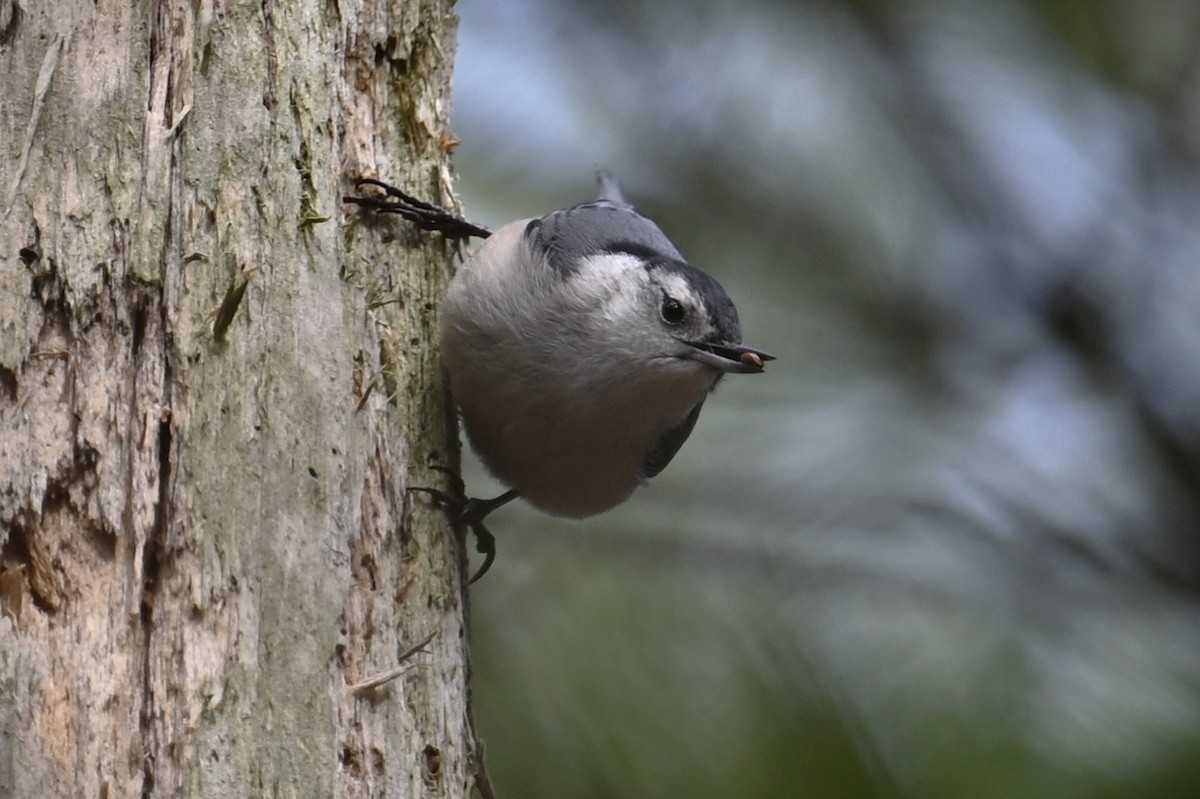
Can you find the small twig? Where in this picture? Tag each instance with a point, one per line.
(483, 781)
(371, 384)
(391, 674)
(45, 74)
(174, 129)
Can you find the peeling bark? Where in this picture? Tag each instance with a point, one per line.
(215, 389)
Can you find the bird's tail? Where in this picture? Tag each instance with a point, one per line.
(609, 188)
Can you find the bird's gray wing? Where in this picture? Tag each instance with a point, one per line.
(669, 443)
(600, 226)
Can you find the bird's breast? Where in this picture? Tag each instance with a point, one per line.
(572, 456)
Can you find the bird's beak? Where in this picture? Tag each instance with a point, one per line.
(733, 358)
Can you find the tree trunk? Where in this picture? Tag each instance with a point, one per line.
(215, 388)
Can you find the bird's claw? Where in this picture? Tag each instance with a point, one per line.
(485, 544)
(426, 216)
(464, 512)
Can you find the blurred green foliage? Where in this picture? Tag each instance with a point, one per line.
(948, 545)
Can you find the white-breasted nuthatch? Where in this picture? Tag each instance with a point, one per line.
(580, 348)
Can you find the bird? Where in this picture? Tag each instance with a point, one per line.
(580, 347)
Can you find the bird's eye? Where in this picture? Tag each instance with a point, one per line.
(672, 311)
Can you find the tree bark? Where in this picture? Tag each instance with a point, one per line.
(215, 388)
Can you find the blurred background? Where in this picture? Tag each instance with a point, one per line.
(949, 544)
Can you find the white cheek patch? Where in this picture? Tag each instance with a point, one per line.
(680, 289)
(612, 281)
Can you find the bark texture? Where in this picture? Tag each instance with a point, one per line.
(215, 388)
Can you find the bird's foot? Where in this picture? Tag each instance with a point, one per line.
(425, 215)
(466, 513)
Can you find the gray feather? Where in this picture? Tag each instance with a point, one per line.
(609, 188)
(669, 443)
(606, 225)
